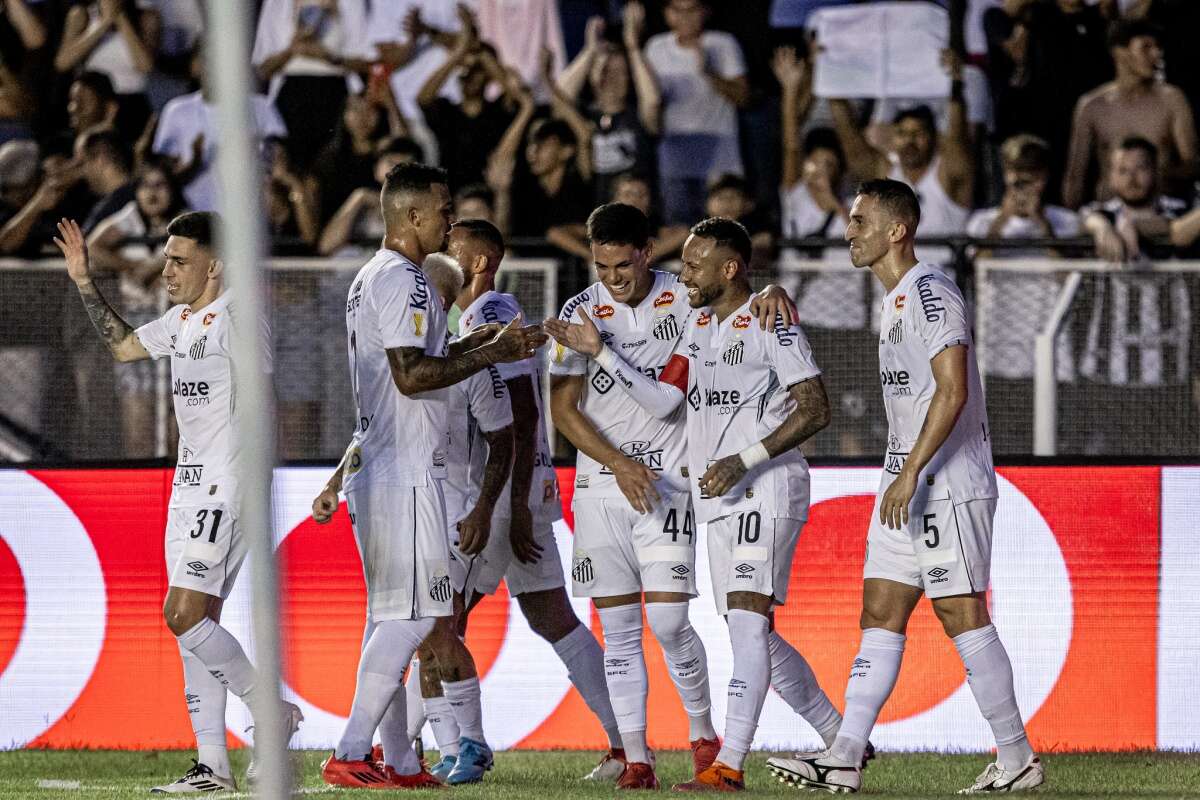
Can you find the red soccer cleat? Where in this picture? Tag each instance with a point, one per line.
(637, 775)
(704, 753)
(717, 778)
(363, 774)
(377, 755)
(418, 780)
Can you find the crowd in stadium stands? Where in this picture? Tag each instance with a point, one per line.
(1064, 119)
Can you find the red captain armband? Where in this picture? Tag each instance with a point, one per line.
(676, 373)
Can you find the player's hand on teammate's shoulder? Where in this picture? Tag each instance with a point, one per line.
(636, 482)
(722, 475)
(582, 338)
(893, 508)
(74, 249)
(520, 535)
(771, 302)
(324, 506)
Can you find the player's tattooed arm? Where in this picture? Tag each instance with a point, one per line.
(810, 416)
(475, 528)
(116, 332)
(476, 338)
(326, 503)
(414, 372)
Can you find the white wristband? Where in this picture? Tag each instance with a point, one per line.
(606, 358)
(754, 455)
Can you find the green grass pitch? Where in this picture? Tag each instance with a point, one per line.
(74, 775)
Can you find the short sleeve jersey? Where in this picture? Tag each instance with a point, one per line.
(202, 391)
(922, 316)
(477, 405)
(399, 440)
(645, 336)
(503, 308)
(738, 376)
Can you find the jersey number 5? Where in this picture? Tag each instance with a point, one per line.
(931, 530)
(213, 524)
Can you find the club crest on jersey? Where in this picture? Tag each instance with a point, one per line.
(733, 356)
(208, 318)
(440, 589)
(418, 324)
(896, 332)
(666, 328)
(603, 312)
(664, 299)
(900, 302)
(582, 570)
(196, 351)
(741, 321)
(703, 319)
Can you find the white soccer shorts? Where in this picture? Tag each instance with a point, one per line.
(945, 550)
(749, 551)
(205, 548)
(497, 562)
(618, 551)
(401, 537)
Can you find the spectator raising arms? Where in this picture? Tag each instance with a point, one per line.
(369, 120)
(702, 76)
(619, 130)
(1135, 104)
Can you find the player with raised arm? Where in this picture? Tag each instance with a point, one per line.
(931, 529)
(634, 525)
(205, 544)
(753, 396)
(401, 366)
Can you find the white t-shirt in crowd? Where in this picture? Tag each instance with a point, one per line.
(342, 30)
(190, 115)
(112, 55)
(387, 27)
(689, 102)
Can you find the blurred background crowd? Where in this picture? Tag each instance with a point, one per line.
(1065, 125)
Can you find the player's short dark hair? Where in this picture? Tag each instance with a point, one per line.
(401, 146)
(618, 223)
(1124, 31)
(922, 114)
(895, 196)
(726, 233)
(476, 191)
(823, 139)
(1025, 152)
(484, 231)
(99, 83)
(1141, 143)
(199, 226)
(413, 177)
(730, 180)
(107, 143)
(552, 128)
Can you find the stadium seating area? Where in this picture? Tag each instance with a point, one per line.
(1036, 133)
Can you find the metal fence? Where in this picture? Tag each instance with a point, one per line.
(1079, 357)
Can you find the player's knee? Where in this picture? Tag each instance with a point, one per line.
(961, 614)
(547, 615)
(669, 622)
(879, 615)
(181, 617)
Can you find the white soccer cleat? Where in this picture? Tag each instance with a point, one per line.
(197, 780)
(292, 717)
(817, 771)
(609, 768)
(996, 779)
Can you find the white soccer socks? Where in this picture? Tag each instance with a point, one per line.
(872, 678)
(463, 697)
(686, 661)
(625, 673)
(206, 699)
(222, 656)
(793, 679)
(748, 685)
(446, 732)
(584, 659)
(380, 668)
(414, 702)
(990, 676)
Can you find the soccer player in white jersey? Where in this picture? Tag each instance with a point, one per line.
(753, 396)
(931, 530)
(634, 525)
(400, 368)
(205, 545)
(521, 550)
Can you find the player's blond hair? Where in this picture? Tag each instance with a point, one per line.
(445, 274)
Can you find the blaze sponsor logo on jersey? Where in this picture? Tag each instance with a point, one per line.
(440, 589)
(895, 382)
(931, 304)
(741, 321)
(418, 324)
(602, 381)
(582, 570)
(196, 351)
(603, 312)
(208, 318)
(664, 299)
(733, 356)
(722, 397)
(900, 302)
(196, 392)
(703, 319)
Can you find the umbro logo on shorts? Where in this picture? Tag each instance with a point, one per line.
(583, 572)
(680, 569)
(199, 566)
(937, 572)
(743, 570)
(439, 588)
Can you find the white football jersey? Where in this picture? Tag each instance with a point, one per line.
(645, 337)
(477, 405)
(398, 440)
(202, 389)
(503, 308)
(921, 317)
(738, 376)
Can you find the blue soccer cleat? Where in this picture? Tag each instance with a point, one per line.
(442, 769)
(474, 759)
